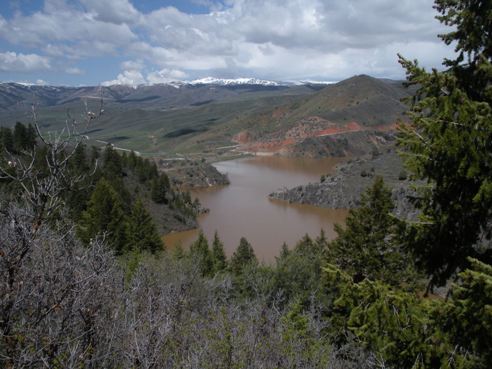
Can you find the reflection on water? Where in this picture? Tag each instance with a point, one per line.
(243, 207)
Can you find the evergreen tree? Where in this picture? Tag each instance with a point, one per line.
(112, 170)
(218, 254)
(20, 137)
(143, 234)
(31, 136)
(6, 139)
(307, 246)
(299, 270)
(284, 251)
(410, 331)
(112, 163)
(178, 252)
(153, 171)
(95, 155)
(467, 315)
(146, 170)
(395, 325)
(201, 251)
(321, 241)
(79, 194)
(159, 189)
(105, 215)
(132, 160)
(449, 144)
(78, 161)
(367, 247)
(243, 256)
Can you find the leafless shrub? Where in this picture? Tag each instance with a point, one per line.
(42, 189)
(66, 305)
(57, 304)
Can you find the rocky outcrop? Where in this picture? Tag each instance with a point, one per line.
(193, 174)
(343, 190)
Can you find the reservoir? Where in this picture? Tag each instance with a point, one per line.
(243, 209)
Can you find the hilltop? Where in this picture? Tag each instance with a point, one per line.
(351, 116)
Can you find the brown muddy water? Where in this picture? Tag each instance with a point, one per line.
(243, 208)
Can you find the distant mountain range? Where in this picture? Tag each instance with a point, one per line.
(201, 81)
(236, 81)
(205, 114)
(158, 96)
(251, 81)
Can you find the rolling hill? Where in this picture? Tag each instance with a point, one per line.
(167, 119)
(358, 110)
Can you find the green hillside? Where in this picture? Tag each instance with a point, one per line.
(153, 130)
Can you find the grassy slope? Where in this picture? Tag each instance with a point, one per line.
(184, 129)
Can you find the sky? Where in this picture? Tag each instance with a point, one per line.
(92, 42)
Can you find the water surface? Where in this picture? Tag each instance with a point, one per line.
(243, 207)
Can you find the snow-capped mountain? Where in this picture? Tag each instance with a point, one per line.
(315, 82)
(232, 82)
(169, 94)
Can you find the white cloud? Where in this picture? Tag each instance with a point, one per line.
(128, 77)
(210, 4)
(155, 54)
(65, 31)
(295, 38)
(275, 39)
(74, 71)
(165, 76)
(132, 65)
(16, 62)
(115, 11)
(134, 77)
